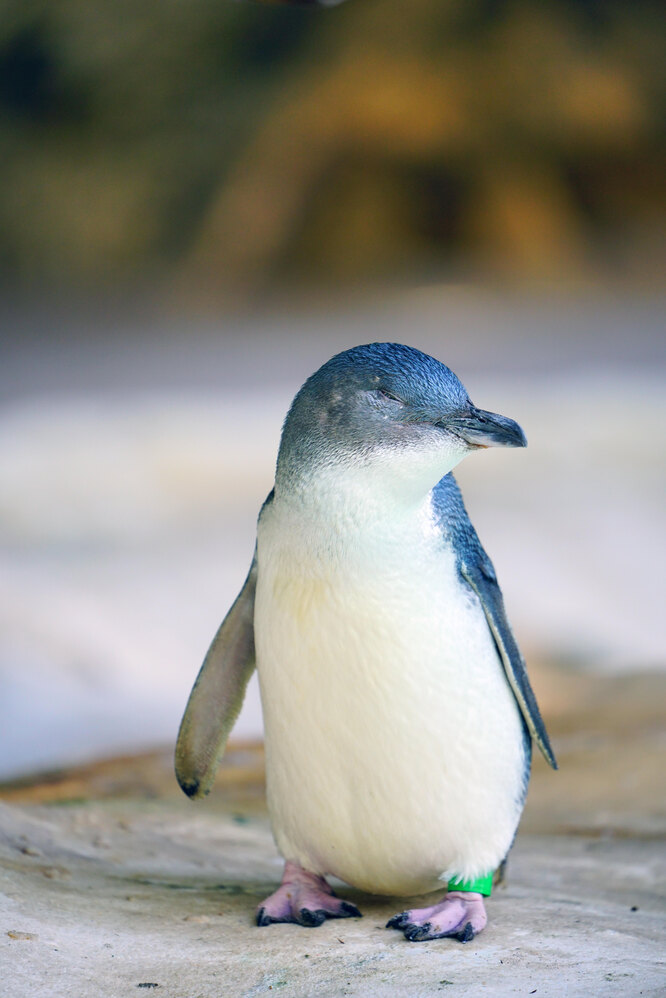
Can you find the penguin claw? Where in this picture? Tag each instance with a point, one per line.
(311, 919)
(417, 933)
(467, 933)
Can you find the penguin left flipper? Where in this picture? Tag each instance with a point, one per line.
(217, 695)
(477, 570)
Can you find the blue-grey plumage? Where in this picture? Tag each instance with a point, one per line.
(380, 632)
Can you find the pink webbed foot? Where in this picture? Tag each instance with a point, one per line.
(461, 914)
(304, 898)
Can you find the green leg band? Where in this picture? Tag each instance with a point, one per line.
(482, 885)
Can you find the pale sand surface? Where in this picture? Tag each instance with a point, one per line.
(111, 880)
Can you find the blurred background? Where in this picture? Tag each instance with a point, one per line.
(200, 203)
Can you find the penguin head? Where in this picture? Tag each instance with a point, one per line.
(391, 407)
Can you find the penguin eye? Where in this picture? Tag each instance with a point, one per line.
(389, 395)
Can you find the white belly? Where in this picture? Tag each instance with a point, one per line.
(394, 747)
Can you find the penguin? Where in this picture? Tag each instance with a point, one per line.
(398, 713)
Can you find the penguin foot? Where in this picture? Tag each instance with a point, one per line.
(304, 898)
(461, 914)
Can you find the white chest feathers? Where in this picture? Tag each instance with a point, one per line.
(395, 754)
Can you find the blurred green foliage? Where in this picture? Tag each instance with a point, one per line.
(229, 146)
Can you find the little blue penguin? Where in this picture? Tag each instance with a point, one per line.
(398, 713)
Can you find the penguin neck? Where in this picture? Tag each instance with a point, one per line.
(358, 492)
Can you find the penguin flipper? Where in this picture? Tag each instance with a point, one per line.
(477, 570)
(217, 694)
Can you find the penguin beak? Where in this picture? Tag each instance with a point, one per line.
(486, 429)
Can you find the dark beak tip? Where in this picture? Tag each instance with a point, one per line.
(508, 433)
(480, 428)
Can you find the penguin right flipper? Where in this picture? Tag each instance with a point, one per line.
(217, 695)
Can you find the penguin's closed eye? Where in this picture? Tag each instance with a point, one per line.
(389, 395)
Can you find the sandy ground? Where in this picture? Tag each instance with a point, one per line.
(114, 885)
(106, 898)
